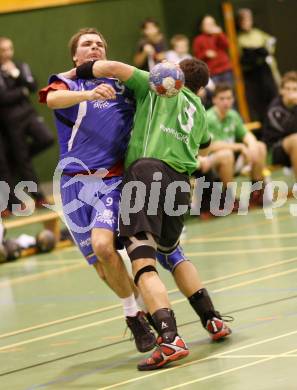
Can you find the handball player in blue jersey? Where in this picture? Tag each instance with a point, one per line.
(94, 119)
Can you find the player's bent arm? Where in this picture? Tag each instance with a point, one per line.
(114, 69)
(135, 79)
(101, 68)
(65, 99)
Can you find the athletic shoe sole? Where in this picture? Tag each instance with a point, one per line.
(177, 356)
(221, 334)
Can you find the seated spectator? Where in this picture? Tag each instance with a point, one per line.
(256, 49)
(280, 126)
(232, 141)
(180, 49)
(24, 130)
(211, 46)
(151, 47)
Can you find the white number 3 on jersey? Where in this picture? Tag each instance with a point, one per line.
(189, 112)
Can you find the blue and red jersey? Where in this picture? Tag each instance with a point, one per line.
(95, 132)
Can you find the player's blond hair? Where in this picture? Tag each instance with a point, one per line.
(177, 38)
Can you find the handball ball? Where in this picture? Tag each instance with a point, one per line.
(166, 79)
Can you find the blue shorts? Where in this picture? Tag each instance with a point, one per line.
(90, 202)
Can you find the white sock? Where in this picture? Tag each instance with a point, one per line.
(141, 303)
(130, 306)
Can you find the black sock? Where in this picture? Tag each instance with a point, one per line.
(202, 304)
(164, 320)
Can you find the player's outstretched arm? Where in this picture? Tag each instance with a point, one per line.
(101, 68)
(64, 99)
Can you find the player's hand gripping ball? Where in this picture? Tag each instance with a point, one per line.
(166, 79)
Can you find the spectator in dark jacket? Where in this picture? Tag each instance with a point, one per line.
(280, 126)
(24, 131)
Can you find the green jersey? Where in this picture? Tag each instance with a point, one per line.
(230, 129)
(168, 129)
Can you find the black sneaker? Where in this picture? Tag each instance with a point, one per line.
(145, 339)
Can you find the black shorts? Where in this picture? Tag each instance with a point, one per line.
(279, 156)
(156, 207)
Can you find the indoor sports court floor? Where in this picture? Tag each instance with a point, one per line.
(61, 328)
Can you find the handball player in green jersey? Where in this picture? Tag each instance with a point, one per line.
(162, 154)
(232, 142)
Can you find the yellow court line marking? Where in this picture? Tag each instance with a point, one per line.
(224, 372)
(256, 356)
(246, 283)
(242, 284)
(248, 271)
(23, 261)
(242, 227)
(60, 321)
(290, 353)
(139, 378)
(257, 237)
(120, 317)
(61, 333)
(241, 251)
(66, 269)
(45, 274)
(206, 282)
(73, 248)
(40, 275)
(35, 263)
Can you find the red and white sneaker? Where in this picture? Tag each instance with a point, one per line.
(217, 329)
(164, 354)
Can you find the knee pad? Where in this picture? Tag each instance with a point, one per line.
(141, 246)
(169, 260)
(147, 268)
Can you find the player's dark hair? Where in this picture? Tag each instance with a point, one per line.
(196, 74)
(222, 87)
(75, 38)
(241, 14)
(149, 20)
